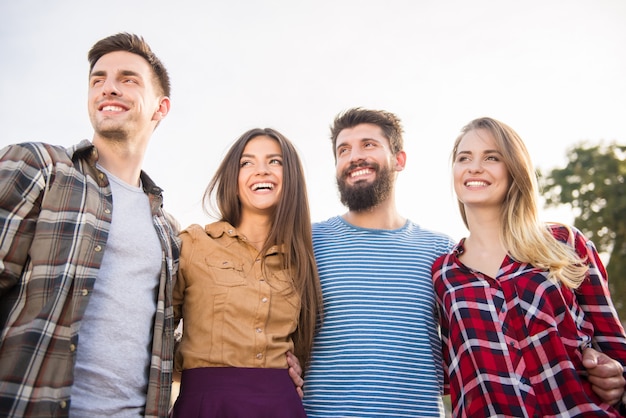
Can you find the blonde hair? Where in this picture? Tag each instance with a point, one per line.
(526, 238)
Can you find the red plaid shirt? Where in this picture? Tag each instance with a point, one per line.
(513, 345)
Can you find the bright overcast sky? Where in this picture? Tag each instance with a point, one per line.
(555, 70)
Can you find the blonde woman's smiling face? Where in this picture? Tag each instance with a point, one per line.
(480, 175)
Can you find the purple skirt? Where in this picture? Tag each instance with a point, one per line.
(233, 392)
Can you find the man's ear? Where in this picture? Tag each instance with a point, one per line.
(400, 160)
(163, 109)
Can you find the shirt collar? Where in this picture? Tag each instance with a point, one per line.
(87, 151)
(223, 228)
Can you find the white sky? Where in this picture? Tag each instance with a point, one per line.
(555, 70)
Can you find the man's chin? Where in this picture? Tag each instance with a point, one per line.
(358, 184)
(113, 134)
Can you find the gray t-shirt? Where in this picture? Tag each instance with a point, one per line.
(115, 338)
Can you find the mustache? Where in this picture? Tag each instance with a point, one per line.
(352, 167)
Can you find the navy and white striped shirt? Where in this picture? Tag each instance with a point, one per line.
(378, 352)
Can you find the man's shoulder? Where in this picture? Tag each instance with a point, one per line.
(418, 229)
(43, 152)
(330, 223)
(437, 238)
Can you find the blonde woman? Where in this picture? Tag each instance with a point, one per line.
(519, 300)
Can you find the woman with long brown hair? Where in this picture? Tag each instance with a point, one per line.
(247, 287)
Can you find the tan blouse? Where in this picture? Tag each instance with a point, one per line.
(233, 313)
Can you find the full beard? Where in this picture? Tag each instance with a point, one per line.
(362, 195)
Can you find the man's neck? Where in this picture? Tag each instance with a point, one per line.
(120, 160)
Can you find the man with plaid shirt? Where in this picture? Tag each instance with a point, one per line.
(87, 251)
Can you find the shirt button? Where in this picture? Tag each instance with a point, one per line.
(264, 300)
(84, 292)
(98, 248)
(259, 356)
(230, 231)
(72, 348)
(63, 404)
(107, 211)
(259, 330)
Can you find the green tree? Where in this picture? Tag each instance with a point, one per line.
(592, 184)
